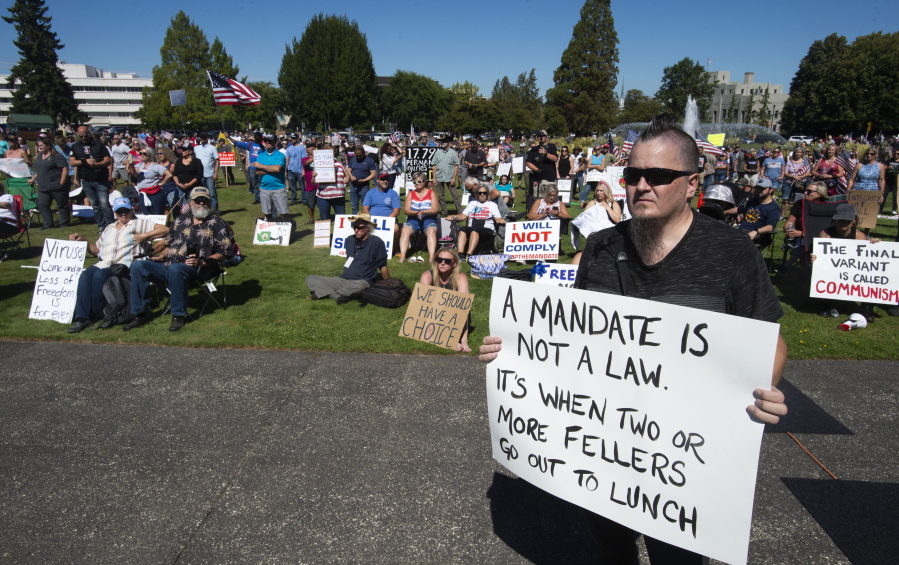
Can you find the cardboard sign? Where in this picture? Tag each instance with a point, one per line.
(867, 204)
(593, 176)
(322, 234)
(503, 169)
(178, 98)
(532, 240)
(343, 229)
(564, 188)
(856, 270)
(436, 315)
(56, 287)
(272, 233)
(16, 168)
(227, 159)
(419, 160)
(557, 275)
(632, 409)
(518, 165)
(323, 161)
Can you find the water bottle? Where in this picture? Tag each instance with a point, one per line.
(789, 241)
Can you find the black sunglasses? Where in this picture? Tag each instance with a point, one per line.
(202, 200)
(482, 193)
(444, 260)
(653, 176)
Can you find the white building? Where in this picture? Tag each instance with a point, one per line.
(109, 99)
(730, 97)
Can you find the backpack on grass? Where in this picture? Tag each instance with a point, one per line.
(387, 293)
(117, 292)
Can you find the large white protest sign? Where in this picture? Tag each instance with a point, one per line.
(518, 165)
(323, 160)
(155, 218)
(594, 176)
(503, 169)
(614, 176)
(632, 409)
(856, 270)
(56, 287)
(343, 228)
(556, 275)
(16, 168)
(178, 97)
(272, 233)
(564, 188)
(532, 240)
(493, 156)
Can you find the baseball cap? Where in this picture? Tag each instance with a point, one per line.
(763, 183)
(845, 212)
(200, 192)
(120, 203)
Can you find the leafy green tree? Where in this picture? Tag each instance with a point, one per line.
(265, 114)
(519, 104)
(638, 107)
(185, 58)
(584, 91)
(42, 88)
(686, 78)
(815, 91)
(328, 76)
(473, 116)
(465, 91)
(414, 99)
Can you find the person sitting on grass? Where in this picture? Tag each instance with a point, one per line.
(119, 244)
(197, 240)
(366, 256)
(446, 273)
(421, 209)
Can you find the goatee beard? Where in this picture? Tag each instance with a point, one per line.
(645, 235)
(199, 212)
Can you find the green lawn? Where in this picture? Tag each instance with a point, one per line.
(269, 305)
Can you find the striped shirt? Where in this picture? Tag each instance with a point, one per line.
(118, 245)
(334, 190)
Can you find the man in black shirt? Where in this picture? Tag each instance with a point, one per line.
(91, 161)
(541, 163)
(674, 255)
(365, 256)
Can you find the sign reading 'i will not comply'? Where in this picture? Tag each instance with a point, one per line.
(632, 409)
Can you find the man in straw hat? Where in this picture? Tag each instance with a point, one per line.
(365, 256)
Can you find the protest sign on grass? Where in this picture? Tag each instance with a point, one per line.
(855, 270)
(56, 287)
(436, 315)
(272, 233)
(632, 409)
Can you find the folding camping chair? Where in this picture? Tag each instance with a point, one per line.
(20, 187)
(13, 242)
(207, 288)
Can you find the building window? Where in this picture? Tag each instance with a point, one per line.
(741, 91)
(776, 114)
(775, 91)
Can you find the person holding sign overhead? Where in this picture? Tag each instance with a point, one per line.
(669, 253)
(446, 273)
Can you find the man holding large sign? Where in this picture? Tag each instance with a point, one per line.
(666, 253)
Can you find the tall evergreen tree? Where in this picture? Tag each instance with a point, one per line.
(686, 78)
(185, 59)
(765, 114)
(584, 91)
(328, 76)
(734, 111)
(519, 104)
(41, 88)
(751, 113)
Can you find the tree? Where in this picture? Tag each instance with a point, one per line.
(223, 64)
(41, 88)
(751, 113)
(765, 115)
(185, 58)
(839, 87)
(465, 91)
(414, 99)
(519, 104)
(686, 78)
(265, 114)
(473, 116)
(328, 77)
(733, 116)
(638, 107)
(584, 91)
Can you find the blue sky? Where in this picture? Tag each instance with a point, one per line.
(476, 41)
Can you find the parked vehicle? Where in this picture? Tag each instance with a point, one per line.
(800, 138)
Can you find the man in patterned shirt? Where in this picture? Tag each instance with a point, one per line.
(195, 243)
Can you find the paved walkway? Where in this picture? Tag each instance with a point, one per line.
(283, 457)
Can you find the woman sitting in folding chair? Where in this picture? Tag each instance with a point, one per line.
(9, 214)
(119, 244)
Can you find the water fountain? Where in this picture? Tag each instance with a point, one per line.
(691, 116)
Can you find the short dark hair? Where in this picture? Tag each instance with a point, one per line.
(664, 126)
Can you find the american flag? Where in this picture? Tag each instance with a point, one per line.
(845, 160)
(229, 92)
(612, 149)
(709, 148)
(394, 137)
(629, 140)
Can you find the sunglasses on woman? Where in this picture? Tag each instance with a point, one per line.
(444, 260)
(482, 193)
(653, 176)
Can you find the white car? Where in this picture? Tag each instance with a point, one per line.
(797, 139)
(381, 137)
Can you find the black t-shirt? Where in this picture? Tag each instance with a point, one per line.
(796, 211)
(368, 257)
(546, 166)
(713, 268)
(97, 151)
(751, 165)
